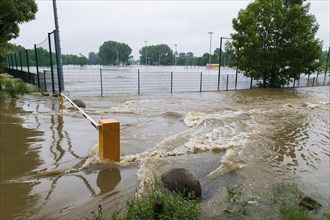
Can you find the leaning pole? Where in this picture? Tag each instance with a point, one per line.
(58, 48)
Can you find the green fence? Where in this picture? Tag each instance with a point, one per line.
(38, 66)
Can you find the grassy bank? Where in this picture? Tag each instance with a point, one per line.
(285, 201)
(15, 87)
(158, 204)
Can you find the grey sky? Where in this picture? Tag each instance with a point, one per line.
(85, 25)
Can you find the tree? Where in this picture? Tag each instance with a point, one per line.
(275, 41)
(112, 53)
(93, 59)
(12, 13)
(160, 54)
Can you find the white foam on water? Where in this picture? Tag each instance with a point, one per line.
(196, 118)
(231, 161)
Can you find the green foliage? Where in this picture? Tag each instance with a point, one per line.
(14, 87)
(13, 13)
(275, 41)
(93, 59)
(71, 59)
(114, 53)
(157, 55)
(169, 206)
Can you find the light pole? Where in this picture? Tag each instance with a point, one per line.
(146, 53)
(210, 46)
(175, 53)
(220, 55)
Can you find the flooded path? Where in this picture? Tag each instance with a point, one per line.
(254, 138)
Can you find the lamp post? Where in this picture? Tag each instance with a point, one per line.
(220, 55)
(146, 53)
(175, 53)
(210, 46)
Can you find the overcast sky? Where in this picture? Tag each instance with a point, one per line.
(86, 24)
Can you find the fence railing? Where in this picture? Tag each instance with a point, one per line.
(139, 81)
(38, 66)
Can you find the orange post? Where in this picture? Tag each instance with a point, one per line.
(109, 139)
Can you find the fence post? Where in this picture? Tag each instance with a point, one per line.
(27, 64)
(236, 77)
(20, 60)
(171, 82)
(138, 81)
(51, 63)
(109, 139)
(313, 81)
(11, 61)
(101, 81)
(58, 65)
(251, 83)
(294, 82)
(16, 61)
(298, 83)
(227, 82)
(308, 79)
(37, 64)
(45, 85)
(200, 83)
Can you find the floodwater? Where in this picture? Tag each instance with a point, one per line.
(50, 167)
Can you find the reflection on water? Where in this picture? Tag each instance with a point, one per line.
(50, 168)
(19, 156)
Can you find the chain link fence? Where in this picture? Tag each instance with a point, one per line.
(38, 66)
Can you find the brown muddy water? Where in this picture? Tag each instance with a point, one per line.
(255, 138)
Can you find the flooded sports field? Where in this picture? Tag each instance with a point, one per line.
(254, 139)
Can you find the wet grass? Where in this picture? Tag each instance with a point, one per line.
(161, 204)
(15, 87)
(284, 201)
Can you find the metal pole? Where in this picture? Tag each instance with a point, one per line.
(251, 83)
(171, 82)
(7, 56)
(28, 66)
(37, 65)
(210, 46)
(51, 63)
(45, 81)
(16, 61)
(138, 81)
(236, 78)
(227, 82)
(20, 60)
(101, 82)
(220, 54)
(58, 47)
(201, 81)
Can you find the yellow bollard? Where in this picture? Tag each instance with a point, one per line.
(61, 102)
(109, 139)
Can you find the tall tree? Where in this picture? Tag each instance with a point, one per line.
(275, 41)
(114, 53)
(13, 13)
(160, 54)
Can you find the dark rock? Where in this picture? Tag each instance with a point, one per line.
(182, 181)
(309, 203)
(79, 103)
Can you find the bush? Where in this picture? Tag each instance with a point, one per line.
(14, 87)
